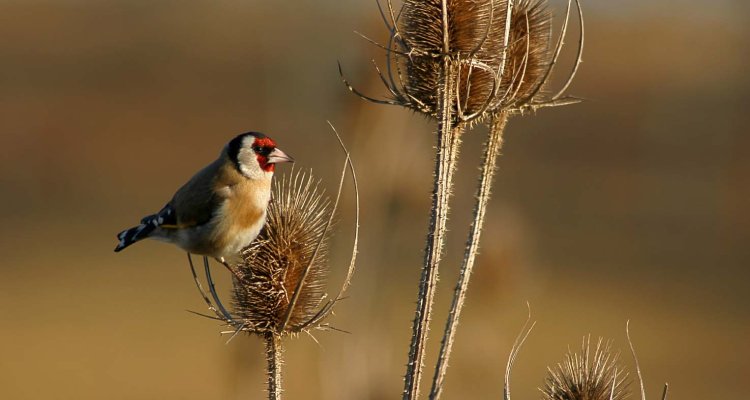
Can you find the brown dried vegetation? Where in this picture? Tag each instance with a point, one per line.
(487, 76)
(461, 62)
(290, 252)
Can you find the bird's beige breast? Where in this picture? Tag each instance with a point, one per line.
(241, 216)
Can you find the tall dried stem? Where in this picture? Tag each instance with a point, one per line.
(492, 150)
(462, 62)
(449, 141)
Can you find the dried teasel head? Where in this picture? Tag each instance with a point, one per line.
(470, 39)
(281, 283)
(500, 52)
(587, 376)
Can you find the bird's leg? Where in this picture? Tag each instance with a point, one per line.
(198, 284)
(212, 287)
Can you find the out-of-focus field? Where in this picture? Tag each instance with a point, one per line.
(632, 205)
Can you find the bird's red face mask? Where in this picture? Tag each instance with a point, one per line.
(268, 155)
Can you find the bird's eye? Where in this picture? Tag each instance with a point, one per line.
(264, 151)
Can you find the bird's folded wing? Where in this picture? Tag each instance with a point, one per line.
(195, 202)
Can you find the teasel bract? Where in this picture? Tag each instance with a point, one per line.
(463, 62)
(279, 284)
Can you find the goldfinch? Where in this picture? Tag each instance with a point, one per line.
(222, 208)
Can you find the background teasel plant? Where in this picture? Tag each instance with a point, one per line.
(587, 376)
(463, 62)
(279, 284)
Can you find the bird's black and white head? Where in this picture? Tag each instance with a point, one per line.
(255, 155)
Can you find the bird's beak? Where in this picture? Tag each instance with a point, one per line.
(278, 156)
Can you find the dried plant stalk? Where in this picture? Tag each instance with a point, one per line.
(528, 56)
(492, 150)
(449, 140)
(586, 376)
(461, 62)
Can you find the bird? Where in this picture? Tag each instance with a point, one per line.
(222, 208)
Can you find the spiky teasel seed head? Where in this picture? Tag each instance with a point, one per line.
(586, 376)
(283, 272)
(468, 41)
(500, 49)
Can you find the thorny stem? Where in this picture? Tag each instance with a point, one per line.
(492, 150)
(448, 144)
(449, 140)
(273, 358)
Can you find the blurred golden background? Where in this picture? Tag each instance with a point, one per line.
(632, 205)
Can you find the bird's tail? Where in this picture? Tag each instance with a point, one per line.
(132, 235)
(146, 228)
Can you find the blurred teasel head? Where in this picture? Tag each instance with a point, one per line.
(587, 376)
(497, 55)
